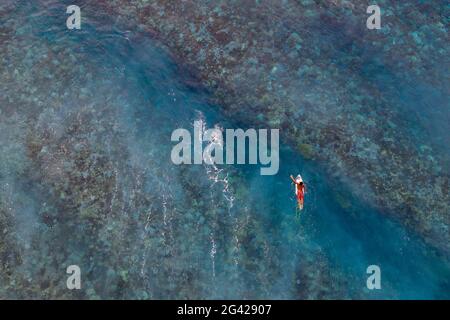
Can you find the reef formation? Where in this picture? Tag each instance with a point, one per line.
(266, 64)
(82, 181)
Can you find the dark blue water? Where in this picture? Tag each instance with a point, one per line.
(232, 229)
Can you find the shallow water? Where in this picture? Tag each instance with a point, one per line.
(191, 231)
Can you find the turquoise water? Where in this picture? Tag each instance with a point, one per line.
(189, 231)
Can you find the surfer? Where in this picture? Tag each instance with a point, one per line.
(300, 190)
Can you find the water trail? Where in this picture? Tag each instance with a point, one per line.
(214, 173)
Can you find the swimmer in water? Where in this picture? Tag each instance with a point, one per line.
(300, 190)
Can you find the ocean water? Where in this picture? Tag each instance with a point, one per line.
(141, 227)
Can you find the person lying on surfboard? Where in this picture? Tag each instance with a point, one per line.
(300, 190)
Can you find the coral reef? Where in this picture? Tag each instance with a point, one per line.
(84, 179)
(82, 184)
(312, 69)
